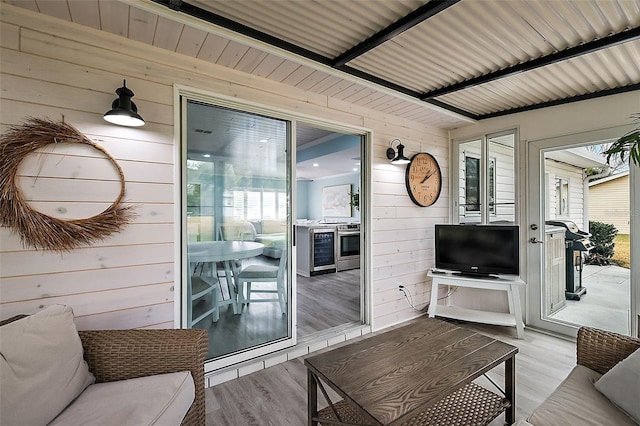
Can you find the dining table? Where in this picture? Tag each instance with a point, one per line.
(226, 252)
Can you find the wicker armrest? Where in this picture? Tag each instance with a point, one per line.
(125, 354)
(600, 350)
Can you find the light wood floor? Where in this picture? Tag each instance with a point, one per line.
(323, 302)
(278, 395)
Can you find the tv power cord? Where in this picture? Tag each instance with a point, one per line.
(407, 295)
(409, 298)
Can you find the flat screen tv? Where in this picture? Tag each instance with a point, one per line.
(478, 250)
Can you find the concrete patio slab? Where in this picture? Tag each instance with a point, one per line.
(606, 305)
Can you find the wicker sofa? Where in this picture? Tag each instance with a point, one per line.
(577, 400)
(117, 355)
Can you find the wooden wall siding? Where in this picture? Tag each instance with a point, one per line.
(609, 203)
(51, 68)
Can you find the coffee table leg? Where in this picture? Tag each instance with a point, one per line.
(312, 398)
(510, 388)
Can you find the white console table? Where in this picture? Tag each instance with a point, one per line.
(509, 284)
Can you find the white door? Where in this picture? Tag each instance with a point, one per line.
(549, 196)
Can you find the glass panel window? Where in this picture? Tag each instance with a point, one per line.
(253, 205)
(472, 184)
(232, 178)
(501, 178)
(562, 197)
(268, 205)
(282, 205)
(487, 179)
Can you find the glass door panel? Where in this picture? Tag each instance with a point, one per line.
(238, 185)
(470, 181)
(501, 178)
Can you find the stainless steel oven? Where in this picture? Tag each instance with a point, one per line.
(348, 252)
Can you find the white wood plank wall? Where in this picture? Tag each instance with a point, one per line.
(53, 68)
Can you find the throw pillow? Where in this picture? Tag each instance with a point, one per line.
(42, 368)
(621, 385)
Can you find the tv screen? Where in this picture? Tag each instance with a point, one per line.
(478, 249)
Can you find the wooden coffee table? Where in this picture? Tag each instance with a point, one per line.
(417, 374)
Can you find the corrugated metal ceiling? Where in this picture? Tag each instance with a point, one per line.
(474, 58)
(466, 40)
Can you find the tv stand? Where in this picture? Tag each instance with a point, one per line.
(509, 284)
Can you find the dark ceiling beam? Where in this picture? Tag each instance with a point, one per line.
(213, 18)
(405, 23)
(571, 99)
(239, 28)
(583, 49)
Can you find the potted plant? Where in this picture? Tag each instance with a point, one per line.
(355, 199)
(629, 143)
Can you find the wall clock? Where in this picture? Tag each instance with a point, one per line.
(423, 179)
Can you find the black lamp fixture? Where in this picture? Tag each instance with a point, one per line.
(123, 111)
(399, 158)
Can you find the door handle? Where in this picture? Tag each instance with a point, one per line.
(534, 240)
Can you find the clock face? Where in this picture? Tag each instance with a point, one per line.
(423, 179)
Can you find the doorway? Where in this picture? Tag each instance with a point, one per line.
(568, 286)
(239, 192)
(329, 237)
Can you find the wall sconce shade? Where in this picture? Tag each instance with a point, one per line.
(123, 111)
(398, 158)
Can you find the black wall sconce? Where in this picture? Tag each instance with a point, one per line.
(399, 158)
(123, 111)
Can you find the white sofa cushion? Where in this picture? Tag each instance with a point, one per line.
(163, 399)
(621, 385)
(577, 402)
(42, 368)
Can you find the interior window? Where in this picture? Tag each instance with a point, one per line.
(487, 179)
(472, 184)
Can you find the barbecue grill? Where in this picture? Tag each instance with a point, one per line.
(577, 245)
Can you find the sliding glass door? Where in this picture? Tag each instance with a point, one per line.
(236, 215)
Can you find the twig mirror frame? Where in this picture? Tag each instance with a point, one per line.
(35, 228)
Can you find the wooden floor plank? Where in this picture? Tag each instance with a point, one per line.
(277, 395)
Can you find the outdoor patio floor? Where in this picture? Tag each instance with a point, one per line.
(606, 304)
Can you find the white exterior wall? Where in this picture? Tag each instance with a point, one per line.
(53, 68)
(609, 203)
(573, 174)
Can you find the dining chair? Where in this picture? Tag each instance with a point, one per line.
(263, 273)
(199, 286)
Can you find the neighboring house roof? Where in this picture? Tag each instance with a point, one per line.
(579, 157)
(608, 178)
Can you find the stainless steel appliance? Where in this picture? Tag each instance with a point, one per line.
(577, 243)
(323, 250)
(348, 252)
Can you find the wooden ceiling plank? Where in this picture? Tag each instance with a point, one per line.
(114, 17)
(85, 12)
(142, 25)
(167, 34)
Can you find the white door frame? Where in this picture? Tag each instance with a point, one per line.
(535, 215)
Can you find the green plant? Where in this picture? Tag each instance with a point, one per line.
(355, 199)
(629, 143)
(602, 236)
